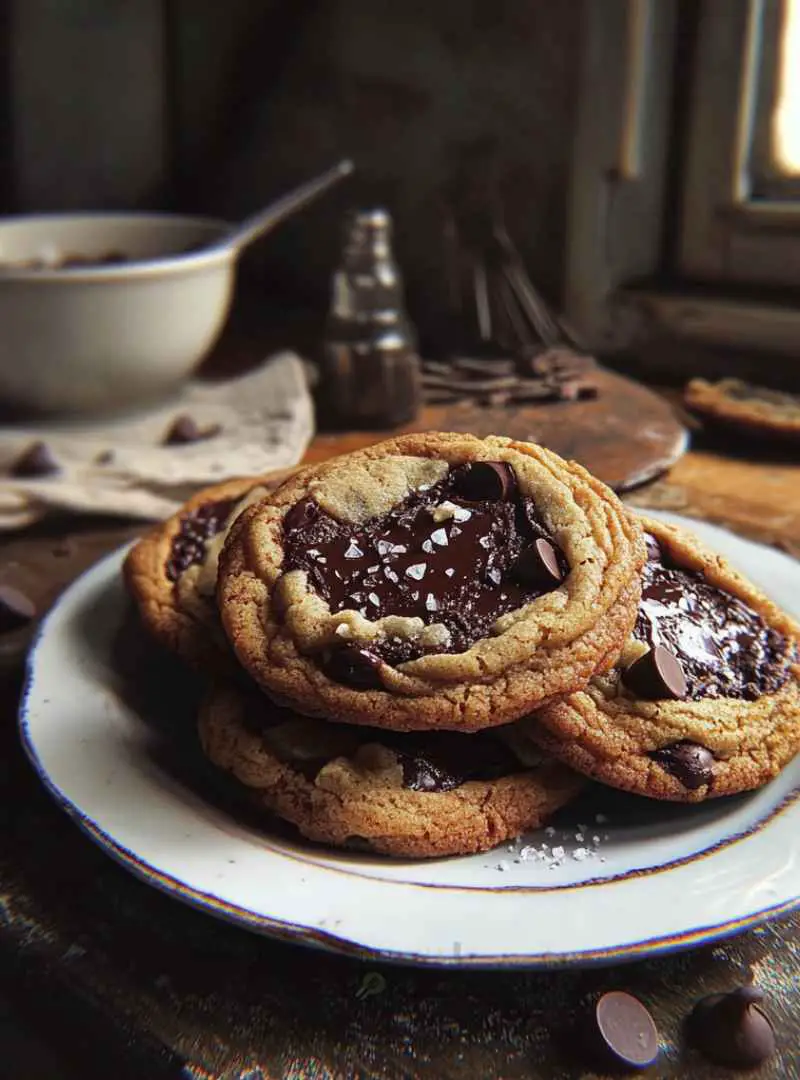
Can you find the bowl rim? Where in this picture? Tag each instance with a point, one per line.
(134, 268)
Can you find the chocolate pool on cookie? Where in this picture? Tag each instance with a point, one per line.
(704, 699)
(432, 581)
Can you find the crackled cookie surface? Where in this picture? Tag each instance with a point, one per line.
(416, 794)
(757, 409)
(431, 581)
(171, 573)
(705, 698)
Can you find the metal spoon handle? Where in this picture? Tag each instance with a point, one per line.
(258, 224)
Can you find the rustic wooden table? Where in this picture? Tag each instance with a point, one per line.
(102, 975)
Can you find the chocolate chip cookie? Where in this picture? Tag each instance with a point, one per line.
(772, 414)
(171, 572)
(431, 581)
(412, 795)
(704, 700)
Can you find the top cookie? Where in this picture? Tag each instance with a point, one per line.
(431, 581)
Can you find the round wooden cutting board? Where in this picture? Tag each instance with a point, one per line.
(625, 436)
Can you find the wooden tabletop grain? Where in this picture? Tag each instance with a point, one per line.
(102, 975)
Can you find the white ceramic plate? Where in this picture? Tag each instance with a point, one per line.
(660, 877)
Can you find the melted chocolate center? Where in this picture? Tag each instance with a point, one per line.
(196, 529)
(430, 760)
(457, 565)
(724, 647)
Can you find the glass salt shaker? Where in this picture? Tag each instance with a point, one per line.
(371, 370)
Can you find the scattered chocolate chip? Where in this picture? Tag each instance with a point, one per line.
(538, 564)
(354, 667)
(185, 430)
(656, 675)
(300, 515)
(687, 762)
(730, 1029)
(37, 460)
(16, 609)
(623, 1032)
(484, 480)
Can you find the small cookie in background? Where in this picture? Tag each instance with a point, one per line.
(733, 403)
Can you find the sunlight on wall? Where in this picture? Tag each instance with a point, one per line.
(786, 123)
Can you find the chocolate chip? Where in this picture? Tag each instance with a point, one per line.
(623, 1031)
(484, 480)
(353, 666)
(184, 430)
(37, 460)
(300, 515)
(16, 609)
(538, 564)
(687, 762)
(656, 675)
(729, 1029)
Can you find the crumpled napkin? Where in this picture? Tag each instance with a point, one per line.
(121, 466)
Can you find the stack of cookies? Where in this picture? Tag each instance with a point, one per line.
(426, 647)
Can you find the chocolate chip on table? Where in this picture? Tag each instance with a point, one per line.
(353, 666)
(538, 564)
(484, 480)
(300, 515)
(185, 430)
(16, 609)
(37, 460)
(622, 1031)
(730, 1029)
(656, 675)
(693, 765)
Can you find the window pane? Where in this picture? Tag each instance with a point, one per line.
(786, 122)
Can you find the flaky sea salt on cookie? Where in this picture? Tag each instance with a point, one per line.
(705, 698)
(431, 581)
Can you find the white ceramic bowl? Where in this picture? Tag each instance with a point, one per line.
(89, 338)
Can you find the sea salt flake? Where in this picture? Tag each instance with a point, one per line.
(579, 837)
(430, 602)
(439, 536)
(390, 574)
(415, 596)
(595, 840)
(558, 853)
(354, 551)
(383, 547)
(462, 514)
(494, 575)
(427, 547)
(373, 569)
(581, 853)
(313, 552)
(449, 571)
(417, 570)
(343, 631)
(399, 549)
(322, 559)
(374, 599)
(485, 541)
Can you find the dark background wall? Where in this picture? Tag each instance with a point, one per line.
(215, 107)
